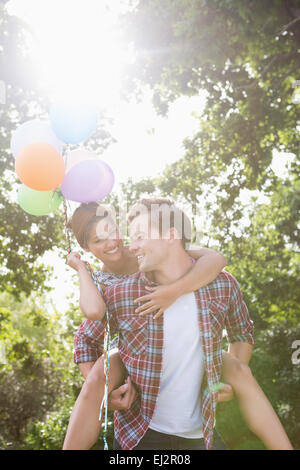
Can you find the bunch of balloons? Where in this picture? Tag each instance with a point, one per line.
(46, 176)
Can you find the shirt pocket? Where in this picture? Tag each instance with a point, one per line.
(217, 313)
(133, 333)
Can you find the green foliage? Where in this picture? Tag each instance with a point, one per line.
(35, 370)
(245, 54)
(27, 391)
(49, 434)
(23, 238)
(281, 382)
(39, 383)
(265, 256)
(233, 429)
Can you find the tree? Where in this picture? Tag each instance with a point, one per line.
(29, 381)
(245, 54)
(24, 238)
(39, 383)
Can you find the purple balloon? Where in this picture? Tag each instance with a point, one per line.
(88, 181)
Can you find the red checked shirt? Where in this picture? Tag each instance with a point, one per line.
(220, 306)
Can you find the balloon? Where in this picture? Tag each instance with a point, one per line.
(88, 181)
(40, 166)
(38, 202)
(34, 131)
(77, 156)
(74, 121)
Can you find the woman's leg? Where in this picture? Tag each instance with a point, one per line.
(84, 425)
(254, 405)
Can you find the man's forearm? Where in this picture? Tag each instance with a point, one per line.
(85, 368)
(241, 351)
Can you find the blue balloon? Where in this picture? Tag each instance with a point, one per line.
(73, 122)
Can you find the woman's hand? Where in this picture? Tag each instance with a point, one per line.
(74, 260)
(158, 300)
(225, 393)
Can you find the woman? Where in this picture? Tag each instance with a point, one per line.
(118, 262)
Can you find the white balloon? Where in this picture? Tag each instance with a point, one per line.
(77, 156)
(34, 131)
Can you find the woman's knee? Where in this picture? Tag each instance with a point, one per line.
(95, 378)
(237, 370)
(242, 370)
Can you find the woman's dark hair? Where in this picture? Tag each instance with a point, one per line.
(84, 218)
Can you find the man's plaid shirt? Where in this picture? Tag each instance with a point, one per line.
(220, 306)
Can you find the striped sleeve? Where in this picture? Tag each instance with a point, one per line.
(89, 339)
(239, 326)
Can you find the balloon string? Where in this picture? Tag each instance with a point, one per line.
(66, 227)
(65, 156)
(107, 341)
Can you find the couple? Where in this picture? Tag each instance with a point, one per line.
(170, 346)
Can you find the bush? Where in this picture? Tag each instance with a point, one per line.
(26, 396)
(279, 378)
(50, 433)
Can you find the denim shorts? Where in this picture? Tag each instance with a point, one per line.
(154, 440)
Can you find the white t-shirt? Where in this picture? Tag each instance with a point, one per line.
(178, 405)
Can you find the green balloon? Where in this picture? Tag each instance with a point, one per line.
(38, 202)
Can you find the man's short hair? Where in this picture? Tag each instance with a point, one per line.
(164, 214)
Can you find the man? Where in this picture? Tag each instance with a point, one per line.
(175, 361)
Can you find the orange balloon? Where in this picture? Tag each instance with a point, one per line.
(40, 166)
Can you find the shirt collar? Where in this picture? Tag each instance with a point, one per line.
(147, 281)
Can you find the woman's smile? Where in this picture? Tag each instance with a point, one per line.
(113, 251)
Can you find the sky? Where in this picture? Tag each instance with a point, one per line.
(65, 38)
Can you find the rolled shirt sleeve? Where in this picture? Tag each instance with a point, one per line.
(88, 341)
(239, 326)
(89, 338)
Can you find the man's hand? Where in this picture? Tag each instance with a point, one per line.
(225, 393)
(123, 397)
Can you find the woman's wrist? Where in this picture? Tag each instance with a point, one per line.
(177, 288)
(82, 267)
